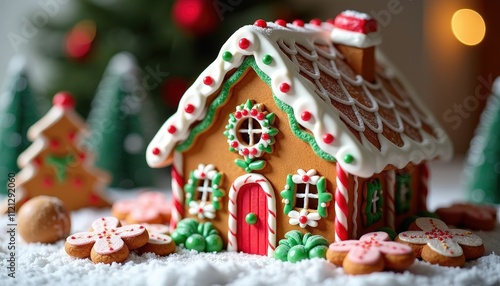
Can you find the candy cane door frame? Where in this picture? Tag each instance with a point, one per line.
(252, 216)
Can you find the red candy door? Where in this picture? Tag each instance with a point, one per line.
(252, 220)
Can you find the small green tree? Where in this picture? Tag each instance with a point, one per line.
(119, 115)
(483, 162)
(18, 111)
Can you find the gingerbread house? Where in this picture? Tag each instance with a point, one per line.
(299, 127)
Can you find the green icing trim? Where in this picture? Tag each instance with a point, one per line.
(223, 96)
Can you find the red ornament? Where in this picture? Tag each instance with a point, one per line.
(280, 22)
(244, 43)
(208, 80)
(315, 22)
(156, 151)
(171, 129)
(260, 23)
(298, 22)
(80, 39)
(173, 89)
(284, 87)
(306, 115)
(328, 138)
(63, 99)
(196, 17)
(189, 108)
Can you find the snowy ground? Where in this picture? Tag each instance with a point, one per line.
(39, 264)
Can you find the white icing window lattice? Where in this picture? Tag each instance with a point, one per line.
(305, 198)
(202, 191)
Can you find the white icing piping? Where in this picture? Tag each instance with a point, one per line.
(368, 160)
(355, 210)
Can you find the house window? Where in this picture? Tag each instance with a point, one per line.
(372, 202)
(306, 198)
(250, 133)
(203, 192)
(403, 193)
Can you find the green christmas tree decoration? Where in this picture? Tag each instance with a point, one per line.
(483, 162)
(120, 119)
(18, 111)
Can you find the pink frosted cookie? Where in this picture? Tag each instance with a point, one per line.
(373, 252)
(107, 241)
(434, 242)
(147, 207)
(159, 242)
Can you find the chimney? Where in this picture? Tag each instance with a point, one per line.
(355, 35)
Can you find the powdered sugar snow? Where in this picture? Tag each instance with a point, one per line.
(48, 264)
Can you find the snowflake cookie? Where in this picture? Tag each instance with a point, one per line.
(435, 243)
(373, 252)
(147, 207)
(107, 241)
(159, 243)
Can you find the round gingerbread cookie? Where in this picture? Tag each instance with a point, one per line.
(159, 242)
(373, 252)
(107, 241)
(147, 207)
(43, 219)
(470, 216)
(435, 243)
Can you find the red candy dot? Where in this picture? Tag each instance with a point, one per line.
(253, 151)
(47, 182)
(234, 144)
(316, 22)
(245, 112)
(330, 21)
(37, 162)
(328, 138)
(71, 136)
(244, 43)
(208, 80)
(265, 136)
(298, 22)
(189, 108)
(63, 99)
(303, 219)
(284, 87)
(280, 22)
(306, 115)
(253, 112)
(54, 143)
(260, 116)
(245, 152)
(260, 23)
(305, 178)
(156, 151)
(237, 114)
(171, 129)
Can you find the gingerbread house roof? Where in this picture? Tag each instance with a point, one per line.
(364, 125)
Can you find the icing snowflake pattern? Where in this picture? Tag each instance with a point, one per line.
(303, 218)
(436, 234)
(370, 247)
(106, 235)
(202, 209)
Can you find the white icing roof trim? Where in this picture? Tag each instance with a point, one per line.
(356, 14)
(355, 39)
(367, 159)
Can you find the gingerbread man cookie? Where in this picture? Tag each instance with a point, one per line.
(107, 241)
(435, 243)
(159, 242)
(147, 207)
(373, 252)
(471, 216)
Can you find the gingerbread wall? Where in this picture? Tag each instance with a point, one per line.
(289, 154)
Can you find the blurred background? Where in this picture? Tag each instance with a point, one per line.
(448, 49)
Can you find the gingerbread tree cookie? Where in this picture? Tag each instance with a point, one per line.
(55, 164)
(435, 243)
